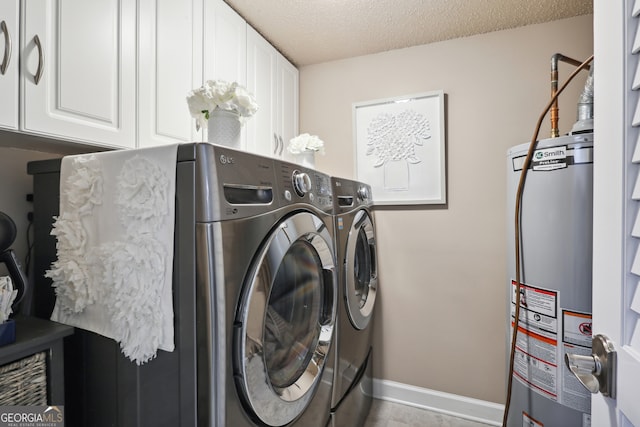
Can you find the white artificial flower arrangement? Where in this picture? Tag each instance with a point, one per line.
(223, 95)
(304, 142)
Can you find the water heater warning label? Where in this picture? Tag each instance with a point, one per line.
(576, 328)
(538, 308)
(536, 364)
(536, 356)
(576, 339)
(546, 333)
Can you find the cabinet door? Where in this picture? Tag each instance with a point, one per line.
(170, 65)
(287, 102)
(225, 43)
(262, 59)
(85, 55)
(225, 46)
(9, 38)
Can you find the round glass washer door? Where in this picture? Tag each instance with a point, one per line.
(285, 321)
(361, 274)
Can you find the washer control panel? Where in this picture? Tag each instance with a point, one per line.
(300, 184)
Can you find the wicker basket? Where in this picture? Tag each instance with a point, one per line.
(24, 382)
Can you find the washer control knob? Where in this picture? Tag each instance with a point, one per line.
(301, 183)
(363, 193)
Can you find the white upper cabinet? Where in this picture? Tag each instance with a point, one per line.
(288, 102)
(183, 44)
(170, 65)
(274, 82)
(225, 48)
(9, 39)
(116, 73)
(78, 70)
(225, 43)
(261, 81)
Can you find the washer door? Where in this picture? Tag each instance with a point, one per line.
(361, 275)
(285, 321)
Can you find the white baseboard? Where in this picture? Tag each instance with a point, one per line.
(437, 401)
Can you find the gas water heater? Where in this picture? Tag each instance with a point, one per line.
(555, 304)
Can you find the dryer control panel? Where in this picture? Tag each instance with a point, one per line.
(350, 195)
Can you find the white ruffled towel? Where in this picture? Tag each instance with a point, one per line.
(113, 275)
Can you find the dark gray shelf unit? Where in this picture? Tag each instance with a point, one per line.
(33, 336)
(102, 387)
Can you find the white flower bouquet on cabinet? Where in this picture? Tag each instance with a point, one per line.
(221, 95)
(304, 142)
(304, 148)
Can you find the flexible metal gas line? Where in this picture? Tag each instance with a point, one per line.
(555, 116)
(519, 192)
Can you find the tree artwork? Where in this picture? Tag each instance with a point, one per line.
(392, 139)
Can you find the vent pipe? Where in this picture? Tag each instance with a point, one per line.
(555, 117)
(585, 107)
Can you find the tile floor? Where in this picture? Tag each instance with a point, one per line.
(389, 414)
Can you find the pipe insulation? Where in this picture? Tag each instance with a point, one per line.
(585, 107)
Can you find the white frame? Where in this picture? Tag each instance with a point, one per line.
(424, 157)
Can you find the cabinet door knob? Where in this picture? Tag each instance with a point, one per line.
(7, 48)
(40, 69)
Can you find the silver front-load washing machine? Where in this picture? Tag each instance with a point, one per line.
(358, 286)
(254, 296)
(267, 284)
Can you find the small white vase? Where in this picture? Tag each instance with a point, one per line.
(307, 158)
(224, 128)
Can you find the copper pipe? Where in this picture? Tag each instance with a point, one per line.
(555, 116)
(555, 132)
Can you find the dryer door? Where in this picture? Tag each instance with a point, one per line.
(361, 281)
(284, 324)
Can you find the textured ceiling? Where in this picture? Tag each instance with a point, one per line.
(314, 31)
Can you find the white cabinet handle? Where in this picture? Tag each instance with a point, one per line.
(277, 151)
(7, 48)
(40, 69)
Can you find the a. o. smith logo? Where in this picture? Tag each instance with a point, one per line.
(554, 153)
(31, 416)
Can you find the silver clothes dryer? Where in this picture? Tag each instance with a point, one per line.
(267, 289)
(358, 286)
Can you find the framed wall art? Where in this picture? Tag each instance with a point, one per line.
(400, 148)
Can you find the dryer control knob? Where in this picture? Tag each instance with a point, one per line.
(363, 193)
(301, 183)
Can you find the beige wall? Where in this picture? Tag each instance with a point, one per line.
(441, 317)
